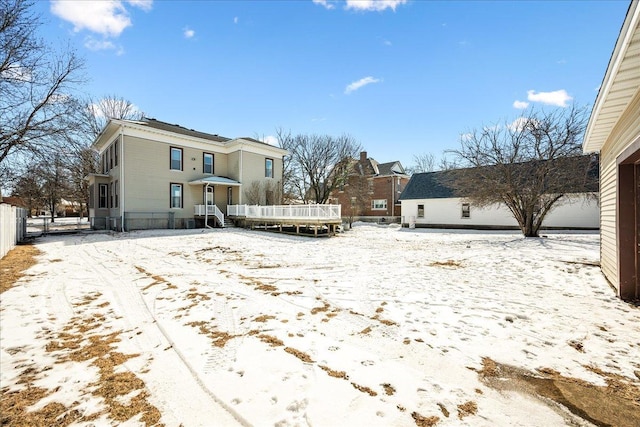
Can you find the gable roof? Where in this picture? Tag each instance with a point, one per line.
(157, 124)
(391, 168)
(441, 184)
(620, 85)
(430, 185)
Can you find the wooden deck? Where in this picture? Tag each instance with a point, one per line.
(312, 220)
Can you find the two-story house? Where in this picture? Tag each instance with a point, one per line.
(158, 175)
(372, 190)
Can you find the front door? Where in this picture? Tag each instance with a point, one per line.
(209, 196)
(637, 227)
(628, 233)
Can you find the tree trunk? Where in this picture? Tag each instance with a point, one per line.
(529, 229)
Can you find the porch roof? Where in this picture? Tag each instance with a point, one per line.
(215, 180)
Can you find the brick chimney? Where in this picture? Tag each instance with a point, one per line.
(363, 157)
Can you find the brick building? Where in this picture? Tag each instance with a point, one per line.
(371, 191)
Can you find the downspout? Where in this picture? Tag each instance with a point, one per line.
(122, 198)
(240, 178)
(206, 206)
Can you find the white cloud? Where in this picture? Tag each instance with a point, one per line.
(145, 5)
(271, 140)
(518, 124)
(17, 72)
(109, 18)
(189, 33)
(98, 109)
(360, 83)
(520, 105)
(93, 44)
(325, 3)
(558, 98)
(374, 5)
(235, 20)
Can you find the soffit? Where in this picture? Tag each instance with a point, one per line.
(620, 84)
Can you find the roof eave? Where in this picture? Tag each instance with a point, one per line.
(627, 31)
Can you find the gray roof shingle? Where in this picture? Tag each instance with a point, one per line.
(440, 184)
(157, 124)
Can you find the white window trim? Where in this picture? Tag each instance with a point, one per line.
(273, 174)
(213, 160)
(373, 205)
(181, 159)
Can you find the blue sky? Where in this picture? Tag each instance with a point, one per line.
(403, 77)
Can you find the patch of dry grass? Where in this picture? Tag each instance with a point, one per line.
(335, 374)
(299, 354)
(364, 389)
(264, 318)
(218, 338)
(271, 340)
(15, 263)
(466, 409)
(448, 263)
(617, 403)
(422, 421)
(444, 410)
(73, 344)
(388, 389)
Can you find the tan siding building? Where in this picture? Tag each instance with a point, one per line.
(157, 175)
(614, 130)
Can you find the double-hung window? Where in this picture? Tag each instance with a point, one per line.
(115, 191)
(176, 159)
(102, 196)
(379, 204)
(176, 196)
(466, 210)
(268, 168)
(420, 211)
(207, 163)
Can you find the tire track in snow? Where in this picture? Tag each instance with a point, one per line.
(132, 305)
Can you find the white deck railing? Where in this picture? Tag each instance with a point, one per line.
(298, 212)
(209, 210)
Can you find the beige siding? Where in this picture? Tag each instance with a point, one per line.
(622, 136)
(253, 170)
(148, 176)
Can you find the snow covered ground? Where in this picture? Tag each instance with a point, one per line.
(378, 326)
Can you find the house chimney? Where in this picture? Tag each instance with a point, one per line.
(363, 156)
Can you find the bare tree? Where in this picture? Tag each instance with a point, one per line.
(317, 164)
(358, 195)
(108, 107)
(83, 162)
(55, 182)
(253, 193)
(29, 188)
(424, 162)
(292, 186)
(36, 84)
(528, 165)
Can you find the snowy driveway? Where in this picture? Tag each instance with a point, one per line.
(376, 326)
